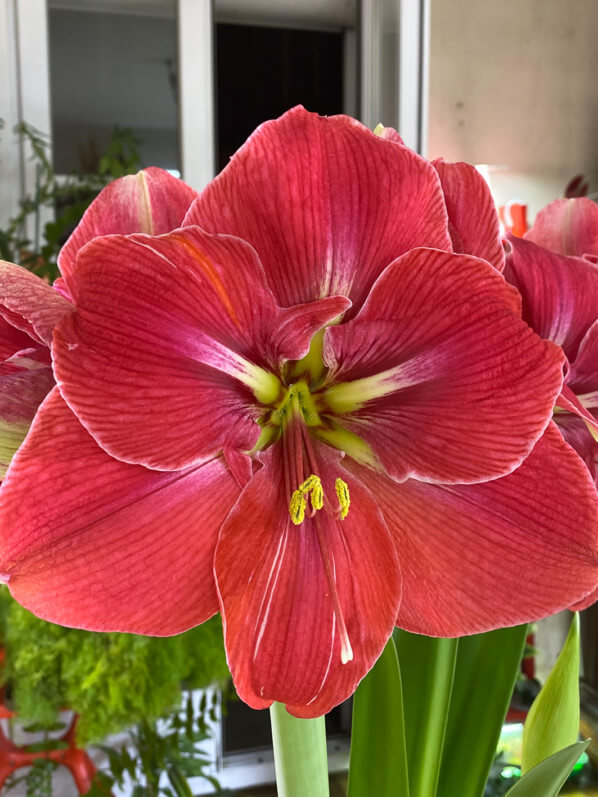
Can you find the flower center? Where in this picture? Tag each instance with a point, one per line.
(294, 418)
(298, 399)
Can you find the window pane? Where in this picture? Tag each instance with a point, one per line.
(112, 70)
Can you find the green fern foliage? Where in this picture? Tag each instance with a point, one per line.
(111, 680)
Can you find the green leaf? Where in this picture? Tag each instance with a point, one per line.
(548, 777)
(553, 720)
(485, 673)
(427, 670)
(179, 782)
(378, 762)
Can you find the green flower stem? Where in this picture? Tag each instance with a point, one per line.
(300, 755)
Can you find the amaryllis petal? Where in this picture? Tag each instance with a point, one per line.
(439, 374)
(326, 204)
(583, 371)
(13, 340)
(567, 226)
(295, 327)
(286, 639)
(151, 201)
(22, 390)
(560, 294)
(30, 304)
(88, 541)
(473, 221)
(184, 322)
(589, 600)
(577, 434)
(569, 401)
(389, 134)
(508, 551)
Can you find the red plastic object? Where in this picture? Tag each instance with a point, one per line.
(513, 217)
(14, 757)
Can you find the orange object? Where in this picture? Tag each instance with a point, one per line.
(513, 217)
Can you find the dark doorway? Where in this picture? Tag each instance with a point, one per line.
(248, 731)
(264, 71)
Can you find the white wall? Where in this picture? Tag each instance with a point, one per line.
(515, 83)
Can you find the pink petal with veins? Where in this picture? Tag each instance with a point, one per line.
(450, 384)
(307, 609)
(91, 542)
(496, 554)
(326, 204)
(567, 227)
(151, 201)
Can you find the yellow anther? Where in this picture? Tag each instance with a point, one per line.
(317, 495)
(312, 486)
(297, 507)
(309, 484)
(342, 493)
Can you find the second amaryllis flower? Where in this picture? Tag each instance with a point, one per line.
(560, 302)
(151, 201)
(304, 410)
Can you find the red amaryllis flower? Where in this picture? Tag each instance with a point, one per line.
(560, 302)
(567, 227)
(290, 413)
(152, 202)
(29, 311)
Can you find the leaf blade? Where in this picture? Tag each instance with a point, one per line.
(427, 670)
(479, 702)
(548, 777)
(378, 762)
(553, 720)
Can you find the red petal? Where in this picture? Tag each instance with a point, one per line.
(21, 393)
(390, 134)
(60, 285)
(473, 221)
(326, 204)
(169, 333)
(583, 373)
(577, 434)
(589, 600)
(295, 326)
(567, 226)
(151, 201)
(90, 542)
(30, 304)
(560, 294)
(281, 630)
(483, 556)
(460, 388)
(13, 340)
(568, 400)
